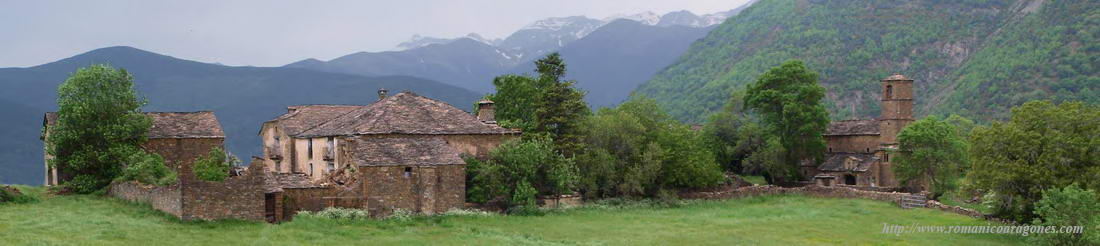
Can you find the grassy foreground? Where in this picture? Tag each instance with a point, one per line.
(770, 220)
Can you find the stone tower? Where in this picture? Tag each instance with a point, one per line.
(897, 107)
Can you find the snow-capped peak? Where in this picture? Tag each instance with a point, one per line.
(648, 18)
(556, 23)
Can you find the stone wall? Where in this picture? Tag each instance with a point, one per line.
(180, 153)
(852, 143)
(163, 198)
(813, 190)
(236, 197)
(426, 190)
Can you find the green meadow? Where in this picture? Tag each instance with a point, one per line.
(766, 220)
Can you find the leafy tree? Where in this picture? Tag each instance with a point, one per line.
(930, 149)
(520, 164)
(148, 168)
(638, 150)
(1043, 146)
(1069, 206)
(544, 104)
(514, 100)
(215, 165)
(99, 126)
(734, 134)
(788, 100)
(963, 126)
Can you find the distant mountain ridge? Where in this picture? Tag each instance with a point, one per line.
(242, 97)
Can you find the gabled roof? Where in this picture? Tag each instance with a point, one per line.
(406, 113)
(276, 182)
(835, 162)
(403, 151)
(852, 127)
(202, 124)
(300, 118)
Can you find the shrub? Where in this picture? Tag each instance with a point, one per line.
(215, 166)
(520, 170)
(12, 195)
(338, 214)
(401, 215)
(1069, 206)
(148, 168)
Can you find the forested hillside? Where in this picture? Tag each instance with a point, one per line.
(978, 57)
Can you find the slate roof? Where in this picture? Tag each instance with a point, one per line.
(404, 151)
(406, 113)
(852, 127)
(835, 162)
(202, 124)
(300, 118)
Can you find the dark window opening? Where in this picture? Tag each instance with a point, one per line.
(830, 149)
(309, 148)
(408, 172)
(889, 92)
(868, 150)
(311, 169)
(331, 166)
(278, 166)
(886, 157)
(849, 179)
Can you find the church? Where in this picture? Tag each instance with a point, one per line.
(858, 153)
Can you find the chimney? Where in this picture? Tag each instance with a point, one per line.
(382, 93)
(485, 111)
(291, 109)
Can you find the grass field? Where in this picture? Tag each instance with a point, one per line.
(770, 220)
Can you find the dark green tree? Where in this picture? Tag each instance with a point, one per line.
(560, 107)
(514, 100)
(99, 127)
(1043, 146)
(930, 150)
(788, 100)
(1069, 206)
(519, 170)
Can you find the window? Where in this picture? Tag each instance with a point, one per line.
(278, 165)
(277, 141)
(849, 179)
(889, 92)
(331, 166)
(408, 172)
(868, 150)
(309, 148)
(311, 169)
(331, 143)
(886, 157)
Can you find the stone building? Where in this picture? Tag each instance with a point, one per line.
(405, 152)
(179, 137)
(859, 150)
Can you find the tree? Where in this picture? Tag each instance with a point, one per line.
(1042, 146)
(734, 134)
(639, 150)
(147, 168)
(514, 100)
(99, 126)
(930, 149)
(560, 107)
(788, 100)
(542, 105)
(1069, 206)
(521, 169)
(215, 165)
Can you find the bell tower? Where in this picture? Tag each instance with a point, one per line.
(897, 107)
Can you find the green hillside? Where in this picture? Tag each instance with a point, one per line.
(955, 50)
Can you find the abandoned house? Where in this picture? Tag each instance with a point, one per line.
(179, 137)
(858, 151)
(405, 152)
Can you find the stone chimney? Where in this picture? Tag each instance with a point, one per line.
(382, 93)
(485, 111)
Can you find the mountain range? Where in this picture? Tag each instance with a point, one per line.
(242, 97)
(607, 57)
(974, 58)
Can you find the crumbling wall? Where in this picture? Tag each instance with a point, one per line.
(813, 190)
(180, 153)
(163, 198)
(236, 197)
(427, 189)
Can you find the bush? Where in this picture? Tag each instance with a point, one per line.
(520, 170)
(148, 168)
(215, 166)
(338, 214)
(1069, 206)
(12, 195)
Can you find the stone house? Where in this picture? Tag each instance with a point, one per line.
(859, 150)
(405, 151)
(179, 137)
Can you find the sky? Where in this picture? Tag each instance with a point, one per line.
(275, 33)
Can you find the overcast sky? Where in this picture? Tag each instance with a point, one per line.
(274, 33)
